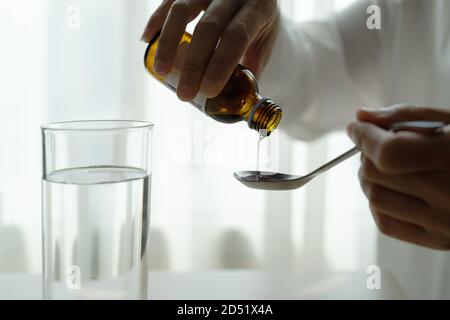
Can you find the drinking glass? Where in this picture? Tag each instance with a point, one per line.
(95, 209)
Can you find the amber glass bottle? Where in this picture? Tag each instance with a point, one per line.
(238, 101)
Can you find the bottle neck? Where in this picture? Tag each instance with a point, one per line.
(265, 115)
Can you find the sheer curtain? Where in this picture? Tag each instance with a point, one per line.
(57, 67)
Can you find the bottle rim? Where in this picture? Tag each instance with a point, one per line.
(269, 119)
(256, 108)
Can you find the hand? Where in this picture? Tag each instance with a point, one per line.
(406, 175)
(230, 32)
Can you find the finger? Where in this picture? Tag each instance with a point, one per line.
(235, 40)
(432, 187)
(156, 21)
(410, 184)
(404, 231)
(401, 152)
(256, 56)
(205, 38)
(387, 116)
(368, 138)
(180, 14)
(396, 205)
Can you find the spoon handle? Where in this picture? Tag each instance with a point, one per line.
(334, 162)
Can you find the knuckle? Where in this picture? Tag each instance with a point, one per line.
(239, 32)
(383, 224)
(192, 66)
(367, 170)
(376, 197)
(209, 24)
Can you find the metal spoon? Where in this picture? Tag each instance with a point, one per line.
(279, 181)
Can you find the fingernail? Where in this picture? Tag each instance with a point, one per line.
(370, 110)
(377, 112)
(208, 87)
(185, 92)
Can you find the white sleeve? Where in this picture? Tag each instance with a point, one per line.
(321, 72)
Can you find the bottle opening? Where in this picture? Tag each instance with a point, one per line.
(265, 115)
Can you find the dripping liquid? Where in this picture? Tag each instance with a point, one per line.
(262, 136)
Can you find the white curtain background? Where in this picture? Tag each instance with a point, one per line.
(201, 218)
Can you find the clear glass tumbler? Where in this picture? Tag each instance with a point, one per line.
(95, 209)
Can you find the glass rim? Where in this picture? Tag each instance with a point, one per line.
(82, 125)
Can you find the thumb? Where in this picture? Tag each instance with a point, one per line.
(387, 116)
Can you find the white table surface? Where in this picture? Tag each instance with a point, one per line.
(228, 285)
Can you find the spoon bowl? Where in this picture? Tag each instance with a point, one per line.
(270, 180)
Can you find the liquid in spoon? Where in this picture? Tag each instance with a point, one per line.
(262, 136)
